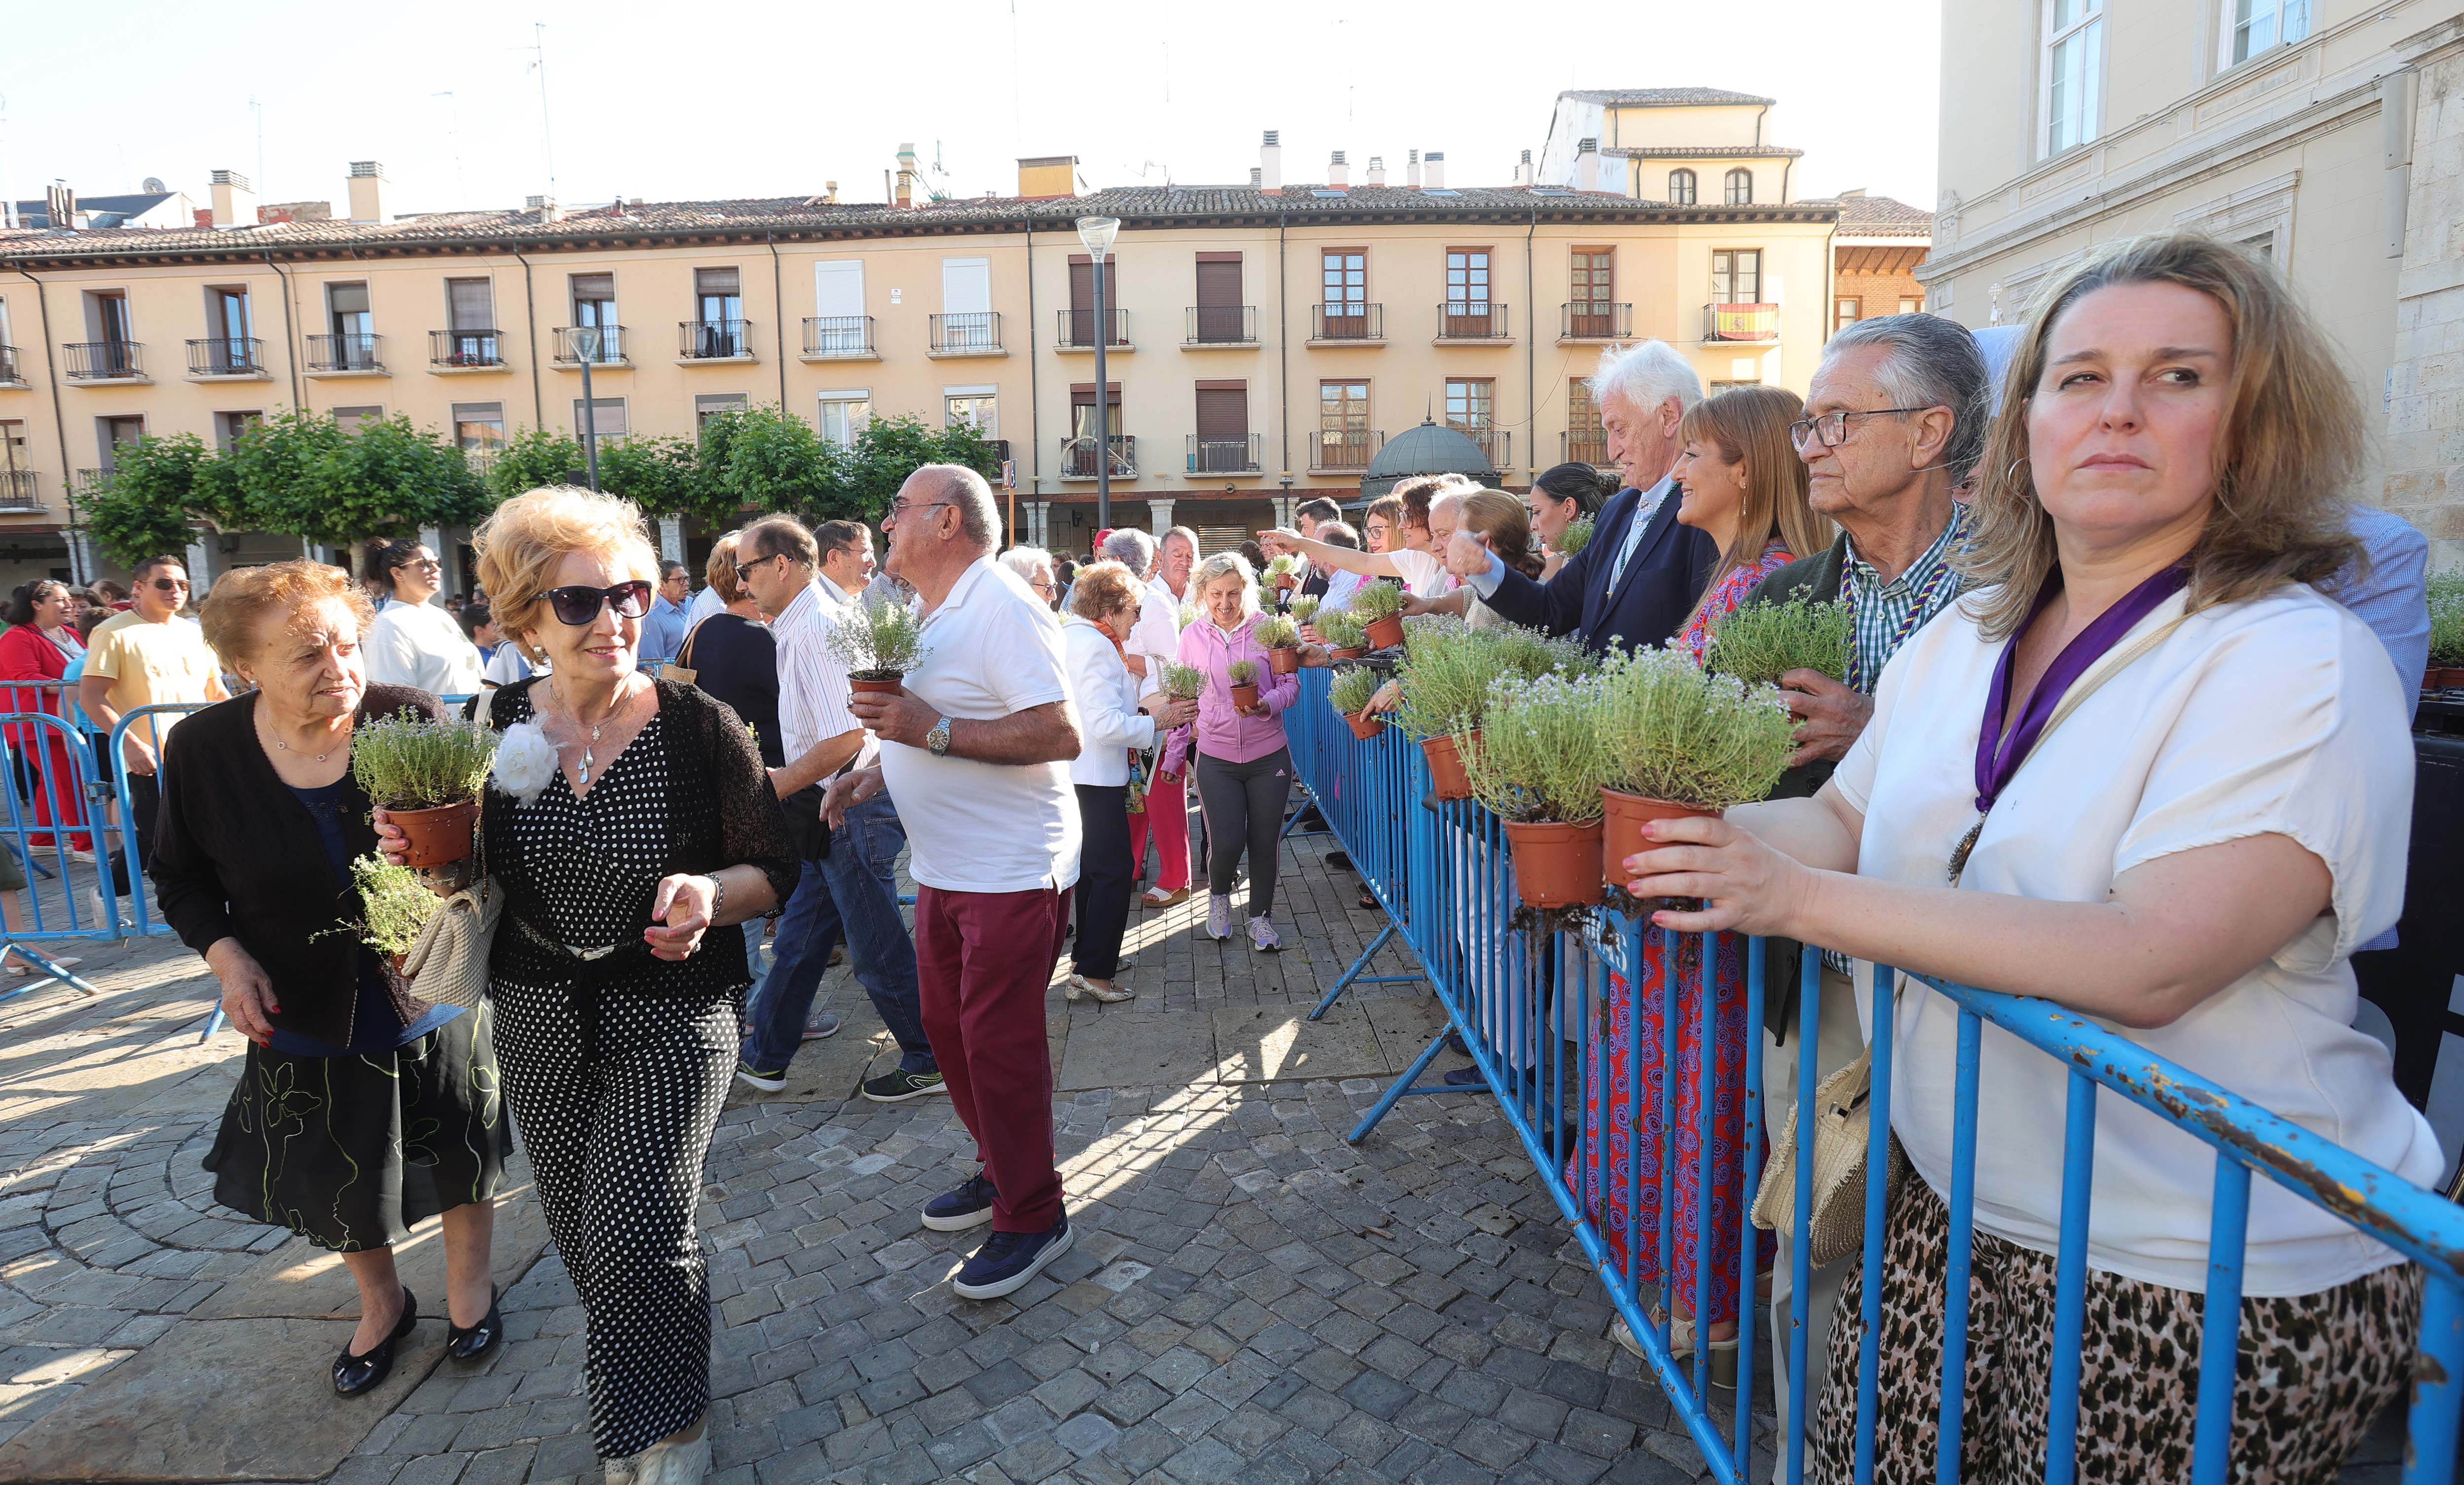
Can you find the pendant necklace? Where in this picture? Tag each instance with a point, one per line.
(288, 748)
(583, 772)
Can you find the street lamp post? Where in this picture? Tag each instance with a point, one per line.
(1098, 232)
(586, 345)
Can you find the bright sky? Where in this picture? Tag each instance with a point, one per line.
(761, 98)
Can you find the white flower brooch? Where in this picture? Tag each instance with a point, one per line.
(525, 761)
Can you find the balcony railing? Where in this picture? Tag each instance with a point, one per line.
(12, 374)
(1364, 324)
(1496, 443)
(838, 335)
(106, 361)
(1222, 324)
(1596, 319)
(1078, 457)
(89, 482)
(973, 334)
(1473, 320)
(19, 490)
(570, 341)
(715, 339)
(1587, 447)
(1078, 328)
(1741, 321)
(1346, 448)
(464, 348)
(353, 352)
(233, 357)
(1223, 455)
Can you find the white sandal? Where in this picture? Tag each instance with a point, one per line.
(1079, 985)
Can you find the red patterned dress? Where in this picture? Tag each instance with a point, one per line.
(1597, 1171)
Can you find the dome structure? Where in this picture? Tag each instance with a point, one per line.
(1430, 449)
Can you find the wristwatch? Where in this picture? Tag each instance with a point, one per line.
(938, 738)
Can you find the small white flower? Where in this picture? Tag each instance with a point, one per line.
(525, 761)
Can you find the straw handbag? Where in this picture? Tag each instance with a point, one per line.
(447, 962)
(1842, 1129)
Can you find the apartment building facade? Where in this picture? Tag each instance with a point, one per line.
(2315, 133)
(1261, 342)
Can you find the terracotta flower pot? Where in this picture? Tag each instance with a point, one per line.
(1387, 632)
(1244, 697)
(1626, 816)
(1286, 582)
(1365, 725)
(889, 685)
(1556, 864)
(438, 836)
(1351, 652)
(2443, 677)
(1283, 663)
(1446, 759)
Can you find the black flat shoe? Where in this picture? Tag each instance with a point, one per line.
(472, 1342)
(354, 1375)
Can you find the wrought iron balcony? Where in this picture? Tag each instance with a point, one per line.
(1223, 455)
(1588, 446)
(975, 334)
(233, 357)
(572, 340)
(1474, 320)
(19, 490)
(849, 335)
(353, 352)
(1078, 328)
(1343, 324)
(456, 349)
(1496, 443)
(1346, 448)
(11, 372)
(1222, 324)
(1596, 319)
(1741, 321)
(106, 361)
(715, 339)
(1078, 457)
(89, 482)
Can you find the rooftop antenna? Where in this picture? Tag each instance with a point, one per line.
(539, 63)
(8, 199)
(454, 133)
(258, 109)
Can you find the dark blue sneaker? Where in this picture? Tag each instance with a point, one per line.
(969, 1205)
(1007, 1260)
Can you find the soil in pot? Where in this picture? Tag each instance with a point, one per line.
(878, 685)
(1556, 864)
(1244, 697)
(438, 836)
(1447, 775)
(1351, 652)
(1365, 725)
(1283, 663)
(1387, 632)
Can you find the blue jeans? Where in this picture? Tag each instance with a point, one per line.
(852, 895)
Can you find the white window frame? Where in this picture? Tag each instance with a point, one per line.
(859, 402)
(2087, 28)
(987, 430)
(600, 429)
(2286, 22)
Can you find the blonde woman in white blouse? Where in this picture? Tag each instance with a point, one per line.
(2191, 854)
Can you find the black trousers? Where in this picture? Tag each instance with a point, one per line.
(1104, 877)
(1244, 809)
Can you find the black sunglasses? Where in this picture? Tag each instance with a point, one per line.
(170, 584)
(580, 602)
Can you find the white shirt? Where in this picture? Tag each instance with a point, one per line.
(509, 666)
(1110, 722)
(813, 688)
(979, 826)
(421, 645)
(1339, 589)
(1156, 637)
(2278, 716)
(704, 604)
(1423, 574)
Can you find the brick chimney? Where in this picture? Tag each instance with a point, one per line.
(367, 191)
(1338, 174)
(1270, 161)
(907, 175)
(1435, 161)
(1587, 165)
(235, 200)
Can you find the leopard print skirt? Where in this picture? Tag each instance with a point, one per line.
(2314, 1370)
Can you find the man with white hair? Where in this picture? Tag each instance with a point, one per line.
(1640, 576)
(1153, 640)
(975, 748)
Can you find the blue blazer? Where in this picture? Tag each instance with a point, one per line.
(1660, 587)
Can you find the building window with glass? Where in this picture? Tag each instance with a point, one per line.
(1738, 190)
(1737, 276)
(1591, 312)
(602, 418)
(1471, 410)
(1911, 306)
(594, 311)
(1587, 442)
(480, 429)
(977, 407)
(1681, 187)
(1845, 313)
(2253, 26)
(844, 415)
(1343, 425)
(712, 404)
(2074, 72)
(1344, 275)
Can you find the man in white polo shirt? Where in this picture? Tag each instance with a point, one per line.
(974, 751)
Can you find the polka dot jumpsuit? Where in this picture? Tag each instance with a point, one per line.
(616, 1096)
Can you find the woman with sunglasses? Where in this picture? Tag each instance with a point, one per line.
(618, 1008)
(414, 642)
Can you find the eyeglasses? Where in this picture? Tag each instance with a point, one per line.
(1044, 586)
(898, 508)
(1832, 428)
(580, 602)
(170, 584)
(430, 562)
(744, 570)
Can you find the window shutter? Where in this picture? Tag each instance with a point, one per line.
(599, 287)
(348, 298)
(717, 281)
(1218, 284)
(473, 307)
(1223, 414)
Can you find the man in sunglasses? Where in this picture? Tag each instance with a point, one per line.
(148, 656)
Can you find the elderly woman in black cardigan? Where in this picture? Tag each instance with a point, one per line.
(359, 1110)
(630, 818)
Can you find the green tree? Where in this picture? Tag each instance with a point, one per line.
(773, 461)
(890, 448)
(534, 457)
(273, 470)
(144, 508)
(666, 476)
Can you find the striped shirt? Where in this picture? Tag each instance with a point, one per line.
(1886, 613)
(812, 684)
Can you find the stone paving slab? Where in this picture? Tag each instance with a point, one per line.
(1259, 1044)
(300, 1279)
(1111, 1051)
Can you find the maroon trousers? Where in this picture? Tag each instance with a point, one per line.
(984, 960)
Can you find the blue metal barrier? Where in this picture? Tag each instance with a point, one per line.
(1523, 999)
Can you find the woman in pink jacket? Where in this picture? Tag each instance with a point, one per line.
(1245, 771)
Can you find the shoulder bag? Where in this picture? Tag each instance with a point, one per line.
(680, 668)
(447, 962)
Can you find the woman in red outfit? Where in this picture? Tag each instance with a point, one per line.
(39, 645)
(1744, 485)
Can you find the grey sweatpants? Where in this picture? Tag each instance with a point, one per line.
(1244, 808)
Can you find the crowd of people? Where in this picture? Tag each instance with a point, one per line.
(2134, 510)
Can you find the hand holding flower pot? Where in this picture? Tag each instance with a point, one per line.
(1282, 639)
(1244, 677)
(1343, 633)
(1349, 691)
(879, 642)
(1539, 766)
(1379, 607)
(427, 777)
(1680, 741)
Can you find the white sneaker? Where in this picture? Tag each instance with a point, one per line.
(1219, 916)
(670, 1463)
